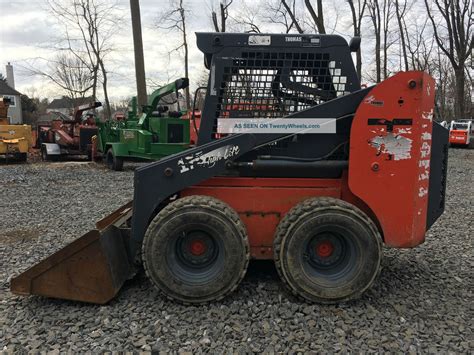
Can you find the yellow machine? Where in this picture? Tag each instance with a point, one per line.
(15, 140)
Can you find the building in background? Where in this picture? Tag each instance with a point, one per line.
(65, 105)
(7, 89)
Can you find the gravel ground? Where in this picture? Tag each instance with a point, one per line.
(422, 301)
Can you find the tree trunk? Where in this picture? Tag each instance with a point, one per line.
(374, 10)
(223, 17)
(186, 54)
(377, 57)
(319, 18)
(94, 83)
(459, 104)
(402, 34)
(386, 25)
(292, 16)
(214, 21)
(356, 24)
(107, 112)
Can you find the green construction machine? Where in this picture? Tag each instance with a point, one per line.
(160, 130)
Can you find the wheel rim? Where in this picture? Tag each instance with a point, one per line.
(194, 255)
(330, 256)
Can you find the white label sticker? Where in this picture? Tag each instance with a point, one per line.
(276, 125)
(207, 160)
(258, 40)
(128, 134)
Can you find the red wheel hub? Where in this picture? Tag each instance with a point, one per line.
(325, 249)
(197, 247)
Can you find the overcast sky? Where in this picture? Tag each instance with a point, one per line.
(26, 31)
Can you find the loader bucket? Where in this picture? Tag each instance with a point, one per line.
(91, 269)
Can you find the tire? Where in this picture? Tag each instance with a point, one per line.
(196, 250)
(113, 162)
(21, 157)
(327, 250)
(44, 155)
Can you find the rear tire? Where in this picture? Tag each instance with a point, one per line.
(327, 250)
(196, 250)
(113, 162)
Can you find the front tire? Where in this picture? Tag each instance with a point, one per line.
(22, 157)
(44, 155)
(196, 250)
(113, 162)
(327, 250)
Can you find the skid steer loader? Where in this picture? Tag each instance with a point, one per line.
(294, 162)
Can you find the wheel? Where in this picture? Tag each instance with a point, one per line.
(21, 157)
(327, 250)
(196, 250)
(113, 162)
(44, 154)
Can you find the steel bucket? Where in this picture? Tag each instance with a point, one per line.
(91, 269)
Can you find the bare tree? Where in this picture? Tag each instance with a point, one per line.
(387, 16)
(453, 23)
(317, 16)
(420, 48)
(224, 15)
(381, 13)
(174, 19)
(68, 72)
(357, 16)
(247, 18)
(282, 12)
(401, 10)
(89, 26)
(375, 16)
(286, 15)
(445, 86)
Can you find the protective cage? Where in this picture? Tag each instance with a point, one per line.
(272, 76)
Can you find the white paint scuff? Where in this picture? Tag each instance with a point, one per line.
(426, 136)
(396, 145)
(427, 115)
(404, 130)
(422, 192)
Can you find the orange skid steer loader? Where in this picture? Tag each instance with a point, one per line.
(295, 162)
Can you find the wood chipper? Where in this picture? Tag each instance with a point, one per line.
(159, 131)
(65, 136)
(15, 139)
(294, 162)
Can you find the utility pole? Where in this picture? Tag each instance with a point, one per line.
(138, 49)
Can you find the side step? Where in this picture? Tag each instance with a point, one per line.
(91, 269)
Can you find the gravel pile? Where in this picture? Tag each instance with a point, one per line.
(422, 301)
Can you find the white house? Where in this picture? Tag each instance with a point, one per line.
(7, 89)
